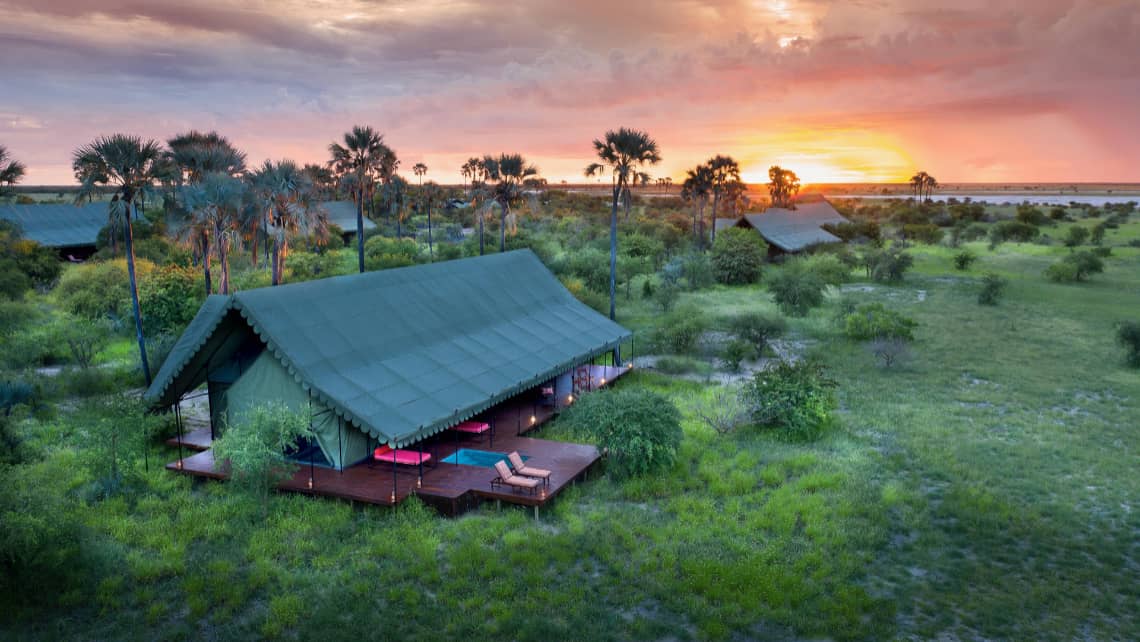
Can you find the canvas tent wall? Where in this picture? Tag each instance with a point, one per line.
(796, 230)
(401, 354)
(343, 215)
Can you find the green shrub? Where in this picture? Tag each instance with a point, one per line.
(736, 352)
(307, 266)
(169, 296)
(831, 268)
(993, 286)
(666, 295)
(973, 232)
(14, 393)
(1128, 335)
(638, 430)
(796, 398)
(674, 365)
(697, 269)
(1102, 252)
(757, 328)
(738, 255)
(964, 259)
(1030, 215)
(887, 266)
(98, 289)
(382, 253)
(679, 331)
(255, 448)
(1077, 266)
(923, 233)
(796, 288)
(83, 339)
(874, 320)
(1012, 231)
(1077, 236)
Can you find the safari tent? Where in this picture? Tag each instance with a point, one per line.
(390, 357)
(68, 228)
(789, 231)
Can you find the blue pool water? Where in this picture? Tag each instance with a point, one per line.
(472, 457)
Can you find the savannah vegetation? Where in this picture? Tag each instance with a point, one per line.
(772, 475)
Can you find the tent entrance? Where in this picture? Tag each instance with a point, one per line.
(308, 452)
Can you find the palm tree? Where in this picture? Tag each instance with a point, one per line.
(419, 169)
(725, 170)
(11, 171)
(508, 172)
(192, 156)
(783, 185)
(622, 153)
(668, 183)
(696, 189)
(284, 192)
(367, 158)
(394, 194)
(929, 184)
(323, 179)
(918, 183)
(128, 163)
(432, 193)
(216, 203)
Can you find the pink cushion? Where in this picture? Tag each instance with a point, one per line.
(472, 426)
(409, 457)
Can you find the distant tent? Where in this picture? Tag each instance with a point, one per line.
(64, 227)
(389, 357)
(343, 215)
(794, 230)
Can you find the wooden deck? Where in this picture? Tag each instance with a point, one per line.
(450, 488)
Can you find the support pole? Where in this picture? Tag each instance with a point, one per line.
(393, 479)
(420, 480)
(178, 422)
(491, 436)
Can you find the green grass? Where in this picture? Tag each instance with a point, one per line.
(986, 489)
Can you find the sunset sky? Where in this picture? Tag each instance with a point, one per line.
(843, 91)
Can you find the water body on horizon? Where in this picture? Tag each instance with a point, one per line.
(1015, 199)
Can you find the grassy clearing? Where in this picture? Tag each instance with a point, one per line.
(984, 490)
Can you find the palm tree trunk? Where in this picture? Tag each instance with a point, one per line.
(360, 231)
(253, 245)
(431, 249)
(712, 217)
(613, 251)
(223, 257)
(130, 249)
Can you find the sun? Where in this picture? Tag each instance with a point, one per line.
(836, 156)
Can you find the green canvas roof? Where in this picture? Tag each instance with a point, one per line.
(343, 215)
(795, 230)
(405, 353)
(60, 226)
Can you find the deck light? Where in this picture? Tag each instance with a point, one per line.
(310, 483)
(393, 497)
(603, 381)
(569, 398)
(420, 482)
(533, 419)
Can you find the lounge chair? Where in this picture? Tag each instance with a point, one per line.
(528, 471)
(510, 479)
(405, 457)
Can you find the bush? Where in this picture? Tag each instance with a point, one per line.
(638, 430)
(98, 290)
(382, 253)
(1077, 266)
(964, 259)
(169, 297)
(738, 255)
(874, 321)
(993, 286)
(679, 331)
(722, 409)
(830, 268)
(1128, 335)
(1012, 231)
(307, 266)
(1077, 236)
(973, 232)
(890, 351)
(736, 352)
(674, 365)
(255, 447)
(796, 288)
(1097, 236)
(697, 269)
(887, 266)
(757, 328)
(796, 398)
(1030, 215)
(83, 339)
(666, 295)
(923, 233)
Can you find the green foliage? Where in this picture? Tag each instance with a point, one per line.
(874, 320)
(382, 253)
(1030, 215)
(255, 448)
(738, 255)
(638, 430)
(679, 331)
(697, 268)
(1098, 231)
(1077, 236)
(1012, 231)
(666, 295)
(99, 289)
(795, 398)
(307, 266)
(856, 231)
(757, 328)
(1128, 335)
(83, 339)
(675, 365)
(993, 286)
(24, 263)
(973, 232)
(887, 266)
(923, 233)
(169, 296)
(14, 393)
(1077, 266)
(796, 288)
(964, 259)
(831, 268)
(736, 352)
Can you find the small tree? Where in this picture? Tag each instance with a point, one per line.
(887, 266)
(721, 409)
(874, 321)
(1077, 266)
(1077, 236)
(890, 351)
(1128, 334)
(964, 259)
(757, 329)
(736, 352)
(255, 448)
(738, 255)
(796, 289)
(993, 287)
(1098, 231)
(796, 398)
(638, 430)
